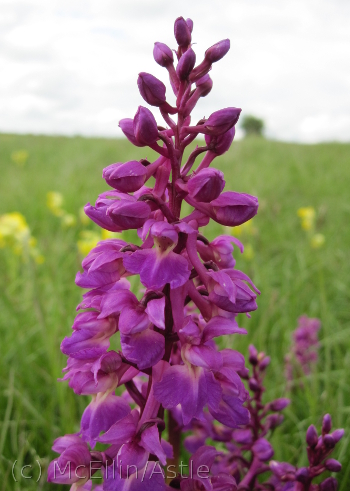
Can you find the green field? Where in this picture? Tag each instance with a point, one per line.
(38, 301)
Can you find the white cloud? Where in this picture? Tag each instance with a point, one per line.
(71, 66)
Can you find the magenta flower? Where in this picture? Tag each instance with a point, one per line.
(147, 356)
(159, 266)
(164, 354)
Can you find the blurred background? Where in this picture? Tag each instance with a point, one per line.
(68, 75)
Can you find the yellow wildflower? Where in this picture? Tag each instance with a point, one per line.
(13, 228)
(15, 233)
(19, 157)
(68, 220)
(317, 241)
(54, 202)
(307, 216)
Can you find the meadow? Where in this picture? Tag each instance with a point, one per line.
(295, 276)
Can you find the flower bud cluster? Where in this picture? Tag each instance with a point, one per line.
(191, 294)
(319, 448)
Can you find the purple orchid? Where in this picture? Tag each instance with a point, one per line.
(190, 294)
(192, 291)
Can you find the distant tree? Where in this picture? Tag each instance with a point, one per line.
(252, 125)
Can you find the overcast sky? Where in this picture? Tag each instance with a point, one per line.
(70, 66)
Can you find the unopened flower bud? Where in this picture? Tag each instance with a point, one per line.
(254, 385)
(127, 178)
(337, 435)
(217, 51)
(129, 214)
(182, 32)
(326, 424)
(302, 475)
(262, 449)
(253, 355)
(264, 363)
(163, 54)
(329, 484)
(213, 54)
(333, 465)
(218, 122)
(311, 436)
(329, 442)
(233, 209)
(151, 89)
(221, 121)
(274, 420)
(186, 64)
(279, 404)
(206, 185)
(145, 127)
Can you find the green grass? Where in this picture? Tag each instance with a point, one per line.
(37, 302)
